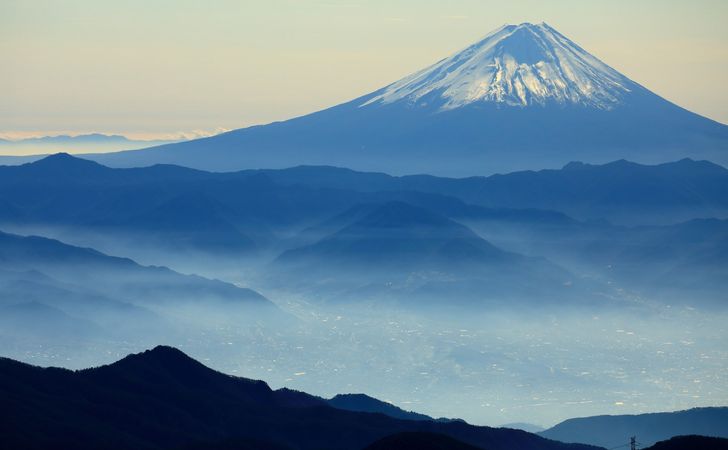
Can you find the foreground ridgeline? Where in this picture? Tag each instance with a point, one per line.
(692, 442)
(162, 399)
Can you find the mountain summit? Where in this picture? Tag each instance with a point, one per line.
(515, 65)
(163, 399)
(523, 97)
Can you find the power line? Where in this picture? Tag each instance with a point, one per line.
(632, 444)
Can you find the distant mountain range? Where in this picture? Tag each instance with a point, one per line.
(162, 399)
(609, 431)
(124, 276)
(82, 143)
(51, 291)
(322, 217)
(523, 97)
(620, 191)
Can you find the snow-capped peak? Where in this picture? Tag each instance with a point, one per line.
(515, 65)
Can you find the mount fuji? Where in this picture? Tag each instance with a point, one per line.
(523, 97)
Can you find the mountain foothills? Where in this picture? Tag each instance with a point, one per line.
(54, 292)
(524, 96)
(162, 399)
(608, 431)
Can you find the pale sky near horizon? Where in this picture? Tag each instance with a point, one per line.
(159, 68)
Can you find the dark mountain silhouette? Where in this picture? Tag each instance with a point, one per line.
(608, 431)
(504, 103)
(162, 399)
(691, 443)
(419, 441)
(364, 403)
(235, 444)
(63, 165)
(531, 428)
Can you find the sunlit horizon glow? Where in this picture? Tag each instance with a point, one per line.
(148, 70)
(14, 135)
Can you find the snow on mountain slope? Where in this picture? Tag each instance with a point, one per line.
(524, 97)
(517, 65)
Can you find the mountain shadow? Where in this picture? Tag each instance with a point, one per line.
(691, 442)
(419, 441)
(162, 399)
(364, 403)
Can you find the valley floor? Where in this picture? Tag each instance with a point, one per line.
(488, 369)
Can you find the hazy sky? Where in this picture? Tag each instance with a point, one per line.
(158, 67)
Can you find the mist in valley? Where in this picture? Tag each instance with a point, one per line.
(560, 333)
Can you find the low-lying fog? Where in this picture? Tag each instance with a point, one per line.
(488, 368)
(539, 358)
